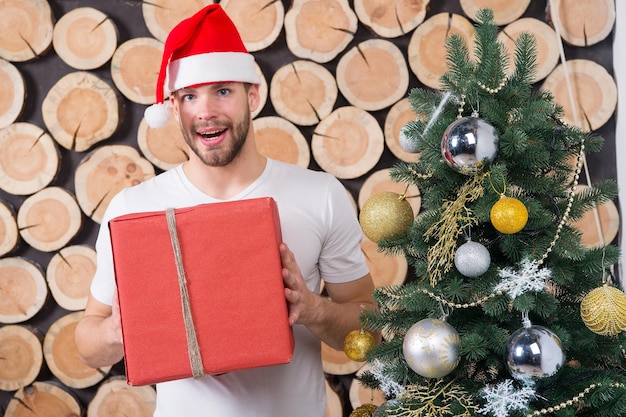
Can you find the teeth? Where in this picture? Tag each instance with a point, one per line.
(208, 135)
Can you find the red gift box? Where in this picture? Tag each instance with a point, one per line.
(213, 277)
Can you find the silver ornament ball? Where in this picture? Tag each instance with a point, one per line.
(469, 145)
(533, 353)
(407, 143)
(472, 259)
(431, 348)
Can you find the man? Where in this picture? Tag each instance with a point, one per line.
(213, 87)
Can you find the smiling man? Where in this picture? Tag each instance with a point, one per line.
(208, 82)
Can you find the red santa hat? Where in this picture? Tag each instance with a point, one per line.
(205, 48)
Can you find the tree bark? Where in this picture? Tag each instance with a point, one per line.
(49, 219)
(259, 22)
(583, 23)
(21, 356)
(426, 51)
(135, 69)
(279, 139)
(85, 38)
(13, 93)
(594, 93)
(348, 143)
(29, 159)
(319, 30)
(504, 11)
(69, 274)
(303, 92)
(43, 399)
(391, 18)
(104, 172)
(61, 354)
(81, 110)
(373, 75)
(23, 290)
(26, 28)
(115, 398)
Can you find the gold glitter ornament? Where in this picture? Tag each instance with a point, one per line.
(365, 410)
(385, 215)
(357, 343)
(603, 310)
(508, 215)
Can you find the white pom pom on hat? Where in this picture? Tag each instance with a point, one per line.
(205, 48)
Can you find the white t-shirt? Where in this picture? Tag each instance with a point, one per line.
(319, 225)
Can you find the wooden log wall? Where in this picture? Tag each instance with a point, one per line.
(71, 134)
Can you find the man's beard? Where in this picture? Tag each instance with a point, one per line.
(224, 155)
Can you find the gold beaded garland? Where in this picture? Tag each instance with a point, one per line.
(508, 215)
(603, 310)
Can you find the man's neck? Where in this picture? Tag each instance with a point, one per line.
(225, 182)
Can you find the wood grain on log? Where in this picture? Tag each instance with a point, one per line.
(399, 114)
(85, 38)
(599, 227)
(426, 52)
(583, 22)
(49, 219)
(303, 92)
(547, 44)
(135, 69)
(259, 22)
(23, 289)
(384, 268)
(164, 147)
(9, 235)
(391, 18)
(373, 75)
(348, 142)
(504, 11)
(81, 110)
(26, 28)
(43, 399)
(380, 181)
(319, 29)
(29, 159)
(263, 91)
(160, 16)
(115, 396)
(360, 395)
(336, 362)
(13, 93)
(69, 274)
(61, 354)
(279, 139)
(21, 356)
(104, 172)
(594, 93)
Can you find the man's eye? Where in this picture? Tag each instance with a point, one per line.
(223, 91)
(188, 97)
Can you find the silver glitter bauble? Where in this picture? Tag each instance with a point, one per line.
(533, 353)
(407, 143)
(469, 144)
(431, 348)
(472, 259)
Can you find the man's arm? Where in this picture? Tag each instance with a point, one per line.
(98, 334)
(331, 319)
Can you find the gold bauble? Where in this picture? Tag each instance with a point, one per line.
(508, 215)
(365, 410)
(357, 343)
(604, 311)
(385, 215)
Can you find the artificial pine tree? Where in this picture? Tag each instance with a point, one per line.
(492, 325)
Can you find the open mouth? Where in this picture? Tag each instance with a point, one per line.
(211, 135)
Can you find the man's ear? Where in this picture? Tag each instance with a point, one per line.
(254, 97)
(174, 105)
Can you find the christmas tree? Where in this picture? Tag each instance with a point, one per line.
(510, 315)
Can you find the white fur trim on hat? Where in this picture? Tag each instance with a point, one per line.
(157, 115)
(210, 68)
